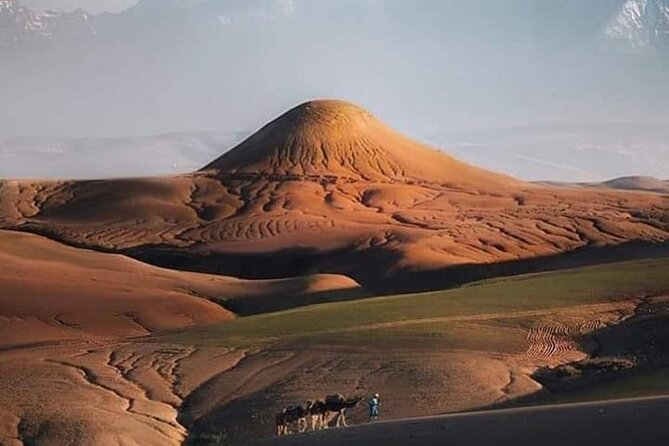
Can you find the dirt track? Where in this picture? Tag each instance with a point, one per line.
(612, 423)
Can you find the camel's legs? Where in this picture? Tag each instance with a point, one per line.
(340, 419)
(343, 418)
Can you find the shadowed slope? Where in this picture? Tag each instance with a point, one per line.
(50, 291)
(614, 423)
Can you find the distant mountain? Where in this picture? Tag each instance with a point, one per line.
(631, 183)
(641, 24)
(638, 183)
(548, 153)
(111, 157)
(21, 25)
(568, 153)
(637, 24)
(230, 7)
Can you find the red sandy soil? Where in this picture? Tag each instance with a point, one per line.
(49, 291)
(75, 368)
(129, 391)
(328, 188)
(325, 188)
(89, 393)
(91, 385)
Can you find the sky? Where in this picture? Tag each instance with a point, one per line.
(427, 67)
(93, 6)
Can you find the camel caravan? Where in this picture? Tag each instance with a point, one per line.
(315, 415)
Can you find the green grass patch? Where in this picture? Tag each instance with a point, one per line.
(643, 383)
(429, 336)
(505, 296)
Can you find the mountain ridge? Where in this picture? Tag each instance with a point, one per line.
(638, 24)
(20, 25)
(641, 24)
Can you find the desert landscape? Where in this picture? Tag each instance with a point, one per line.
(326, 183)
(334, 222)
(326, 254)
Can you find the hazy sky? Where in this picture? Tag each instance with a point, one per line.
(430, 68)
(426, 66)
(90, 5)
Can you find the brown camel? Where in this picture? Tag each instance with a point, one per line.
(292, 415)
(317, 414)
(338, 405)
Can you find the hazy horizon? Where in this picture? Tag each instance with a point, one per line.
(426, 68)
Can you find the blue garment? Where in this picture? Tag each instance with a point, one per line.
(374, 407)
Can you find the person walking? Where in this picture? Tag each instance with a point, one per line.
(374, 403)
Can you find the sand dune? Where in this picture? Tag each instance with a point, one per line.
(337, 139)
(50, 291)
(327, 188)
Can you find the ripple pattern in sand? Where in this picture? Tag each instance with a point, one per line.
(548, 339)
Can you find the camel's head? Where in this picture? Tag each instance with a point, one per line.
(354, 401)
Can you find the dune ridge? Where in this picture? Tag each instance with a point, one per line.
(327, 188)
(52, 292)
(338, 139)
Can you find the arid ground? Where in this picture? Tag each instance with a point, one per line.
(325, 254)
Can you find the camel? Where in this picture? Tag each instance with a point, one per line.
(292, 415)
(338, 405)
(316, 411)
(302, 416)
(317, 415)
(281, 423)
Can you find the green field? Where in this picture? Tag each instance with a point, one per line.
(638, 384)
(415, 314)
